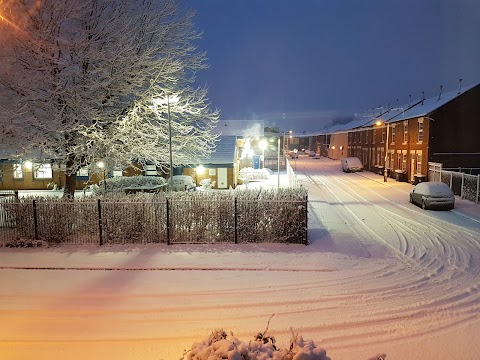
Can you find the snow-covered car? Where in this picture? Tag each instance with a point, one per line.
(351, 164)
(293, 155)
(183, 183)
(430, 195)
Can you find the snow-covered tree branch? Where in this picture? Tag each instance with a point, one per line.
(80, 80)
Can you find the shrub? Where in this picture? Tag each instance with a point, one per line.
(117, 184)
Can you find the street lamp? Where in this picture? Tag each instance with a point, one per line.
(101, 165)
(385, 171)
(278, 163)
(263, 145)
(169, 100)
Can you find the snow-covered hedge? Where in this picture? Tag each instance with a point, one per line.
(252, 174)
(241, 216)
(220, 345)
(117, 184)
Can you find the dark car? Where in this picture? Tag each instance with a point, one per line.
(433, 195)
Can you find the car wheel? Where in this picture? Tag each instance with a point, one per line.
(424, 206)
(411, 199)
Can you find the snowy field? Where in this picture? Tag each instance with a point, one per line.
(380, 276)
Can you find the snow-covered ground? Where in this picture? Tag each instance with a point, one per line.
(380, 276)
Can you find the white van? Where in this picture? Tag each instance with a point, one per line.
(351, 164)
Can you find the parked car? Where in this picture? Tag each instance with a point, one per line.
(430, 195)
(351, 164)
(183, 183)
(311, 153)
(293, 155)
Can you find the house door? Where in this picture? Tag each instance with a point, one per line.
(222, 178)
(412, 166)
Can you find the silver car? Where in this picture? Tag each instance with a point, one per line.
(433, 195)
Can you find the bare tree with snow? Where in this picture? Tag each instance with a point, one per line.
(85, 80)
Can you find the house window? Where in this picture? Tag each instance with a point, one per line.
(373, 136)
(404, 161)
(83, 171)
(150, 170)
(405, 132)
(393, 134)
(366, 137)
(419, 163)
(43, 171)
(420, 130)
(399, 161)
(17, 171)
(383, 135)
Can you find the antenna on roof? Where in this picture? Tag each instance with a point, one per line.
(398, 105)
(423, 96)
(441, 87)
(460, 85)
(409, 99)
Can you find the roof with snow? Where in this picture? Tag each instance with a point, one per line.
(240, 128)
(415, 109)
(224, 152)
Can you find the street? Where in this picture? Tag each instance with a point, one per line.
(380, 276)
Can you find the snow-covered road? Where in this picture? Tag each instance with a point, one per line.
(380, 276)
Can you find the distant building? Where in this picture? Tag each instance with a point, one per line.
(438, 129)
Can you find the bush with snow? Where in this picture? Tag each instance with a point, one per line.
(252, 174)
(117, 184)
(219, 345)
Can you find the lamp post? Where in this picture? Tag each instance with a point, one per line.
(170, 140)
(168, 100)
(101, 165)
(263, 145)
(385, 171)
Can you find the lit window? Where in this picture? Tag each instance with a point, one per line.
(404, 162)
(83, 171)
(405, 132)
(393, 134)
(383, 135)
(373, 136)
(17, 171)
(419, 163)
(43, 171)
(420, 131)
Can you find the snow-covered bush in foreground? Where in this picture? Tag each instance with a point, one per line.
(219, 345)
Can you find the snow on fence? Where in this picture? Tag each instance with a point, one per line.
(464, 185)
(292, 177)
(234, 217)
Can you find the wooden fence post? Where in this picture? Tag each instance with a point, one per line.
(235, 222)
(35, 220)
(306, 220)
(478, 183)
(100, 225)
(168, 222)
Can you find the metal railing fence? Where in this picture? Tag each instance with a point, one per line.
(166, 221)
(464, 185)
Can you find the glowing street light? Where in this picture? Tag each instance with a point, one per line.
(263, 145)
(385, 171)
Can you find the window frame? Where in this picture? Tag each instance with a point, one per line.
(36, 171)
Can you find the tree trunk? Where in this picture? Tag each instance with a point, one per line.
(70, 181)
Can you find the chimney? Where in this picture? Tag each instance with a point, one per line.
(441, 87)
(459, 86)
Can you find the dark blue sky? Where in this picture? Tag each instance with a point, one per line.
(297, 64)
